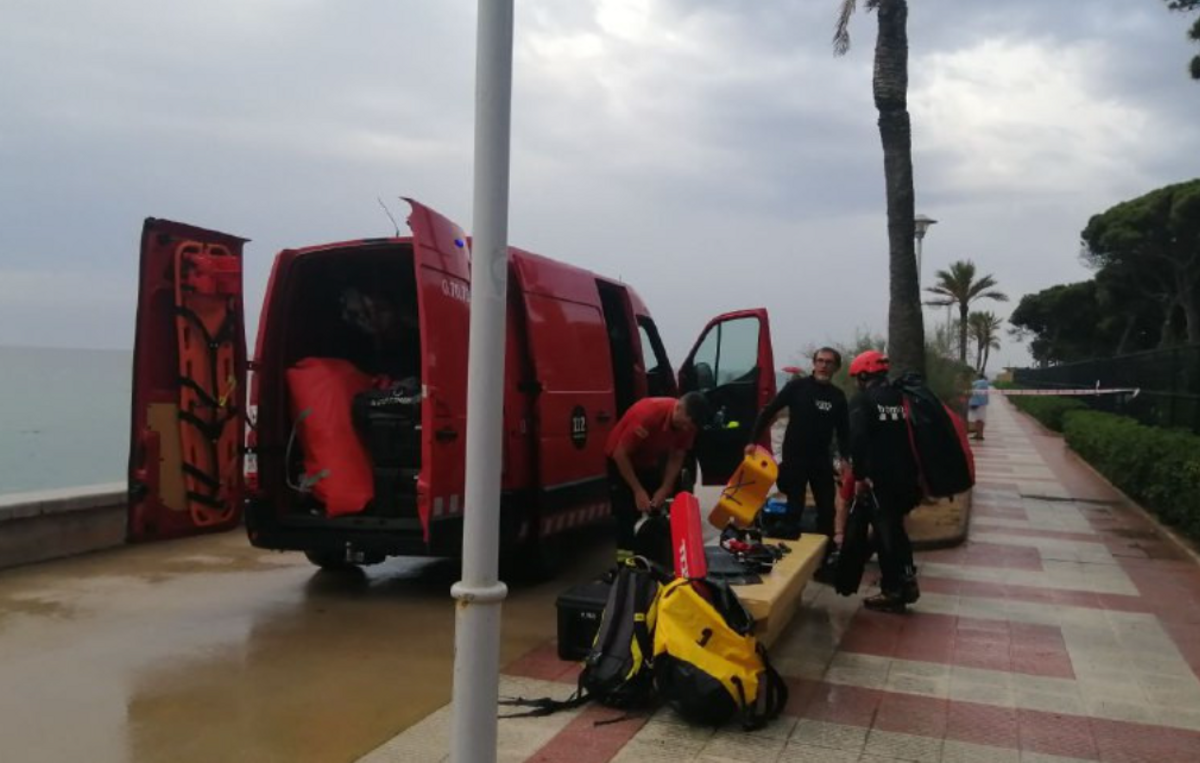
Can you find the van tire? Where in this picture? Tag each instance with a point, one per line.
(536, 560)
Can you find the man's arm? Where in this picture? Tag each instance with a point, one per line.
(767, 418)
(860, 434)
(841, 423)
(670, 475)
(620, 457)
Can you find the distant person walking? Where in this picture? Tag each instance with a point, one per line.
(977, 406)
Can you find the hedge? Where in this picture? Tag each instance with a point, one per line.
(1158, 468)
(1049, 409)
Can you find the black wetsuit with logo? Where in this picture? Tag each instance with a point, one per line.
(816, 411)
(882, 452)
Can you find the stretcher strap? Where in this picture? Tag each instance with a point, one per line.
(212, 430)
(202, 475)
(200, 391)
(213, 503)
(212, 340)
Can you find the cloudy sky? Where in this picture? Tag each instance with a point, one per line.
(713, 153)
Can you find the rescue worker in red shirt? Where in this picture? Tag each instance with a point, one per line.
(646, 451)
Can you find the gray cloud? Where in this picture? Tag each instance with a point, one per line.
(714, 154)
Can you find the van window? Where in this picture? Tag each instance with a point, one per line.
(738, 354)
(728, 353)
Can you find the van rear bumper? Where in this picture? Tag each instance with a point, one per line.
(374, 536)
(386, 536)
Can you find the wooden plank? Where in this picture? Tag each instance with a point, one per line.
(164, 419)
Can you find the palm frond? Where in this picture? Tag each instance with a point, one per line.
(841, 32)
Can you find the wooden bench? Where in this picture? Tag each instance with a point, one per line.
(774, 601)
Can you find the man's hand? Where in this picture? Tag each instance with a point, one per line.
(641, 500)
(660, 498)
(751, 448)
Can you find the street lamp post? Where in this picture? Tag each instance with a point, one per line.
(921, 224)
(479, 594)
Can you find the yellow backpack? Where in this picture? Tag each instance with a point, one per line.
(707, 663)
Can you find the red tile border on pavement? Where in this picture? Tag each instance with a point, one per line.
(590, 737)
(1028, 730)
(967, 642)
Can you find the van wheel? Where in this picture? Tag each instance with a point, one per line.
(330, 560)
(537, 560)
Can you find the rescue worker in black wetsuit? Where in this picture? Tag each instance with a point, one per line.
(816, 411)
(884, 465)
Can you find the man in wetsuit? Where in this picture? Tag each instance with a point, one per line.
(816, 410)
(885, 468)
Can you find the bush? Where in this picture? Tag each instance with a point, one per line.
(1158, 468)
(1048, 409)
(949, 379)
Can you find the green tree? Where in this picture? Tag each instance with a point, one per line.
(1193, 33)
(1152, 243)
(906, 328)
(1060, 322)
(985, 332)
(958, 286)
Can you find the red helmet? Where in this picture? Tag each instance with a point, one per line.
(869, 362)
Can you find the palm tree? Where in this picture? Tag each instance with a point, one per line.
(985, 331)
(906, 327)
(957, 286)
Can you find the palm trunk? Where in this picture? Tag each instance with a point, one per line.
(906, 328)
(987, 354)
(962, 332)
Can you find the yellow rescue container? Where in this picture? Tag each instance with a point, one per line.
(746, 492)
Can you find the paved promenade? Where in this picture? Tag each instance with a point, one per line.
(1066, 629)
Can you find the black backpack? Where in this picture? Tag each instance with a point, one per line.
(940, 448)
(617, 671)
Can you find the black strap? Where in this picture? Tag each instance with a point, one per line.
(212, 430)
(187, 312)
(543, 706)
(205, 398)
(772, 695)
(207, 500)
(195, 471)
(750, 721)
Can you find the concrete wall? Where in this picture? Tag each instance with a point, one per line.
(50, 524)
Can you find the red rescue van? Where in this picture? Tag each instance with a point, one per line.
(381, 326)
